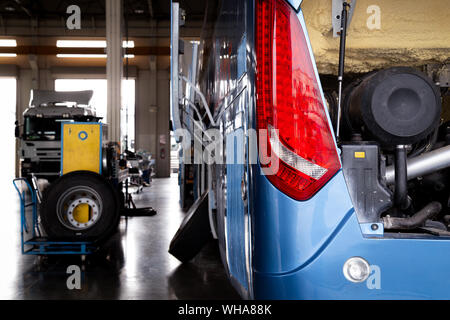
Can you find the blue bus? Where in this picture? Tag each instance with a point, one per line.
(364, 216)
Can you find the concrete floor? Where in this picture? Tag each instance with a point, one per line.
(134, 264)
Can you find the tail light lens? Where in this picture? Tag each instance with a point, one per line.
(289, 104)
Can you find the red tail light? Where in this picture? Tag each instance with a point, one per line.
(289, 104)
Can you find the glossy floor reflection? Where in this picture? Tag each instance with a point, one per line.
(134, 264)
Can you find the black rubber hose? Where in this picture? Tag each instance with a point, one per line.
(447, 219)
(401, 199)
(417, 220)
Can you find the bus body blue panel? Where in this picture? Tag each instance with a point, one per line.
(235, 222)
(289, 233)
(298, 248)
(407, 269)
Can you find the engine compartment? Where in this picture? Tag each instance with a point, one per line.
(395, 149)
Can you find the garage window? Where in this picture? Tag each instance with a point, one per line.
(8, 105)
(99, 102)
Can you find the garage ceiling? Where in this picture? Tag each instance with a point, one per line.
(41, 23)
(133, 9)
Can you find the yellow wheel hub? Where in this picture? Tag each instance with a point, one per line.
(81, 213)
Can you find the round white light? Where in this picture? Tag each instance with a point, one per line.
(356, 269)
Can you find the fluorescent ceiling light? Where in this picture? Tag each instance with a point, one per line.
(128, 44)
(89, 44)
(73, 55)
(81, 44)
(8, 55)
(8, 43)
(80, 55)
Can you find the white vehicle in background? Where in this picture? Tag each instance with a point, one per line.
(40, 139)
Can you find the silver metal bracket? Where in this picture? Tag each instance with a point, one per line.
(202, 99)
(336, 11)
(181, 104)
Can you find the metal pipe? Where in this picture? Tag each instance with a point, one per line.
(422, 165)
(202, 99)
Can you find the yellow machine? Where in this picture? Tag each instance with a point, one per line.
(81, 147)
(81, 150)
(86, 201)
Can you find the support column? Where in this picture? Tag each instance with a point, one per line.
(114, 66)
(33, 60)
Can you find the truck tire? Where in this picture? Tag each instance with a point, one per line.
(75, 191)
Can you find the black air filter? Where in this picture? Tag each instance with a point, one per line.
(394, 106)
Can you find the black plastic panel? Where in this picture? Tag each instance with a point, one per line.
(361, 165)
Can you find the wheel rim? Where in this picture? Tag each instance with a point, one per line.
(79, 208)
